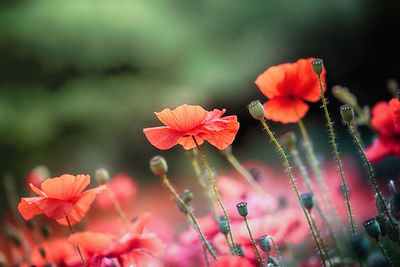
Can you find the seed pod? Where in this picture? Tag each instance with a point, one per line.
(317, 66)
(256, 110)
(382, 220)
(288, 140)
(347, 112)
(223, 225)
(158, 166)
(239, 249)
(102, 176)
(372, 228)
(242, 209)
(271, 261)
(265, 243)
(308, 200)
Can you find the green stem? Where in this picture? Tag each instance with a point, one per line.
(278, 146)
(216, 194)
(77, 247)
(254, 243)
(320, 239)
(277, 252)
(190, 214)
(346, 190)
(239, 167)
(294, 258)
(202, 243)
(384, 253)
(118, 208)
(228, 243)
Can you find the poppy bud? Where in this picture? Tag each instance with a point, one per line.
(347, 112)
(308, 200)
(317, 66)
(372, 228)
(395, 206)
(102, 176)
(256, 110)
(158, 165)
(382, 220)
(392, 187)
(393, 232)
(392, 86)
(223, 225)
(187, 196)
(242, 209)
(360, 246)
(265, 243)
(239, 249)
(45, 230)
(271, 261)
(288, 140)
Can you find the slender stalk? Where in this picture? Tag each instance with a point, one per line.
(277, 252)
(118, 208)
(346, 190)
(202, 243)
(278, 146)
(294, 258)
(320, 239)
(190, 214)
(239, 167)
(77, 247)
(254, 243)
(203, 183)
(216, 194)
(228, 243)
(384, 253)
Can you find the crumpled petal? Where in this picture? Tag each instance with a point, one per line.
(65, 187)
(285, 110)
(28, 207)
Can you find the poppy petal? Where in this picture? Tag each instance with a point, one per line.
(54, 208)
(152, 244)
(182, 118)
(37, 190)
(138, 226)
(66, 186)
(162, 137)
(377, 151)
(383, 119)
(28, 207)
(269, 81)
(188, 143)
(285, 110)
(92, 242)
(221, 139)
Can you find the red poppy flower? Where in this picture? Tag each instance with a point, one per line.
(232, 261)
(288, 86)
(60, 197)
(187, 121)
(135, 247)
(386, 120)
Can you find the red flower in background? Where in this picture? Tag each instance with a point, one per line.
(188, 121)
(287, 86)
(386, 120)
(233, 261)
(60, 197)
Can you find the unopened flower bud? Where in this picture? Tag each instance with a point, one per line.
(273, 262)
(393, 86)
(392, 187)
(372, 228)
(239, 249)
(308, 200)
(158, 165)
(242, 209)
(288, 140)
(395, 206)
(360, 246)
(102, 176)
(187, 196)
(317, 66)
(393, 232)
(382, 220)
(256, 110)
(265, 243)
(223, 225)
(45, 230)
(347, 112)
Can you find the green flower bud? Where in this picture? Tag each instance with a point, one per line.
(317, 66)
(223, 225)
(288, 140)
(360, 246)
(308, 200)
(395, 206)
(158, 166)
(347, 112)
(265, 243)
(393, 232)
(256, 110)
(271, 261)
(187, 196)
(242, 209)
(102, 176)
(239, 249)
(382, 220)
(372, 228)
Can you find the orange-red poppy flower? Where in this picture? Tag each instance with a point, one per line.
(288, 86)
(60, 197)
(188, 121)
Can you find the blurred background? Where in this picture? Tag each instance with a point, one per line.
(79, 80)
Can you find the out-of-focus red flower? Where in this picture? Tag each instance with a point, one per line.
(188, 121)
(60, 197)
(57, 251)
(135, 247)
(288, 86)
(124, 189)
(386, 120)
(232, 261)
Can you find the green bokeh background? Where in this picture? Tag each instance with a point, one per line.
(79, 80)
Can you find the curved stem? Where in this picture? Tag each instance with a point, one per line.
(320, 239)
(216, 194)
(277, 252)
(254, 243)
(384, 253)
(346, 190)
(77, 247)
(278, 146)
(190, 214)
(202, 243)
(118, 208)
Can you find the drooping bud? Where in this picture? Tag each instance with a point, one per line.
(187, 196)
(273, 262)
(372, 228)
(393, 232)
(395, 206)
(256, 110)
(392, 187)
(158, 166)
(102, 176)
(265, 243)
(347, 112)
(307, 200)
(242, 209)
(288, 140)
(45, 230)
(360, 246)
(239, 249)
(392, 86)
(223, 225)
(382, 220)
(317, 66)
